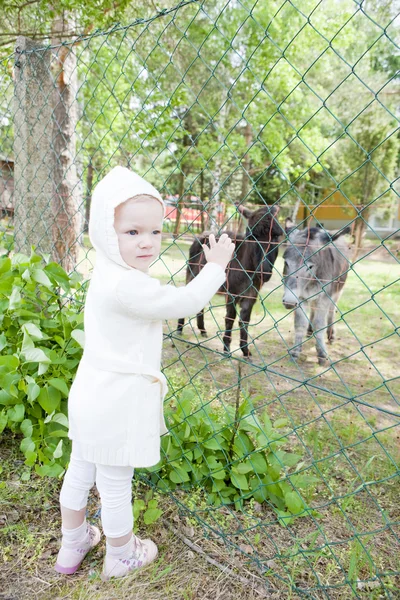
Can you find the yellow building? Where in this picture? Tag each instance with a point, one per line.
(336, 211)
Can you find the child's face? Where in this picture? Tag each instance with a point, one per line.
(138, 224)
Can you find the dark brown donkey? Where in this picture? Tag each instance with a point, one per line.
(255, 255)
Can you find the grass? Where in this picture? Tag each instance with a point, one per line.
(340, 418)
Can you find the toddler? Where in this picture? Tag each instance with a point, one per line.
(115, 404)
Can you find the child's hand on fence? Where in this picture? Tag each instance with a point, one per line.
(219, 252)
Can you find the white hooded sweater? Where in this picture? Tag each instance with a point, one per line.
(115, 404)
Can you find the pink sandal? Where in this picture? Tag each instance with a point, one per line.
(143, 553)
(69, 559)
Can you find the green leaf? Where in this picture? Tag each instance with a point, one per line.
(220, 474)
(20, 259)
(58, 433)
(36, 355)
(3, 420)
(9, 361)
(244, 468)
(79, 336)
(179, 475)
(5, 265)
(40, 276)
(280, 423)
(303, 481)
(258, 463)
(16, 413)
(3, 341)
(164, 486)
(243, 445)
(30, 458)
(27, 445)
(33, 392)
(57, 272)
(288, 459)
(49, 399)
(43, 367)
(6, 398)
(15, 298)
(61, 419)
(212, 444)
(53, 470)
(59, 450)
(151, 515)
(34, 331)
(138, 506)
(60, 385)
(294, 502)
(184, 406)
(284, 517)
(239, 481)
(26, 428)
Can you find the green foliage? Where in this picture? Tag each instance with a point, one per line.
(145, 509)
(232, 461)
(40, 314)
(235, 456)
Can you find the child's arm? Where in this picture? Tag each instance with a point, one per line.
(146, 298)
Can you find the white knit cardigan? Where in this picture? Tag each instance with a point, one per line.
(116, 401)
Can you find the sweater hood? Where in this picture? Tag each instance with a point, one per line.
(116, 187)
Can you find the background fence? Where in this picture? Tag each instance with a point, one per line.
(228, 103)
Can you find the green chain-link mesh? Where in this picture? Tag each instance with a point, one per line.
(289, 103)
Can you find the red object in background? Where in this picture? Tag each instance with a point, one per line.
(189, 215)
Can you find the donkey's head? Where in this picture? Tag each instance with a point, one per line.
(262, 223)
(263, 231)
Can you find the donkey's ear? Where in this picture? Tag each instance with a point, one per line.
(289, 225)
(327, 237)
(245, 211)
(274, 209)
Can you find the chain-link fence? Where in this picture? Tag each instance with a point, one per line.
(291, 106)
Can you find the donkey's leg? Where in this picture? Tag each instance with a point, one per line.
(310, 328)
(331, 330)
(244, 320)
(200, 323)
(319, 325)
(301, 322)
(230, 317)
(181, 323)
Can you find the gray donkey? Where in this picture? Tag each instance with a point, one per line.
(315, 271)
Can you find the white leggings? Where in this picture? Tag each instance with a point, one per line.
(115, 488)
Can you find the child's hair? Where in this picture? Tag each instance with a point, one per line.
(142, 198)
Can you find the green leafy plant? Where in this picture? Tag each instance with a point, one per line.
(235, 456)
(146, 509)
(40, 347)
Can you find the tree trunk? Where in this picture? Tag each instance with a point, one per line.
(360, 226)
(215, 196)
(179, 207)
(248, 136)
(66, 202)
(202, 200)
(217, 169)
(33, 154)
(89, 184)
(185, 142)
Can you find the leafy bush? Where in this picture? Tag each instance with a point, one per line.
(40, 347)
(235, 455)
